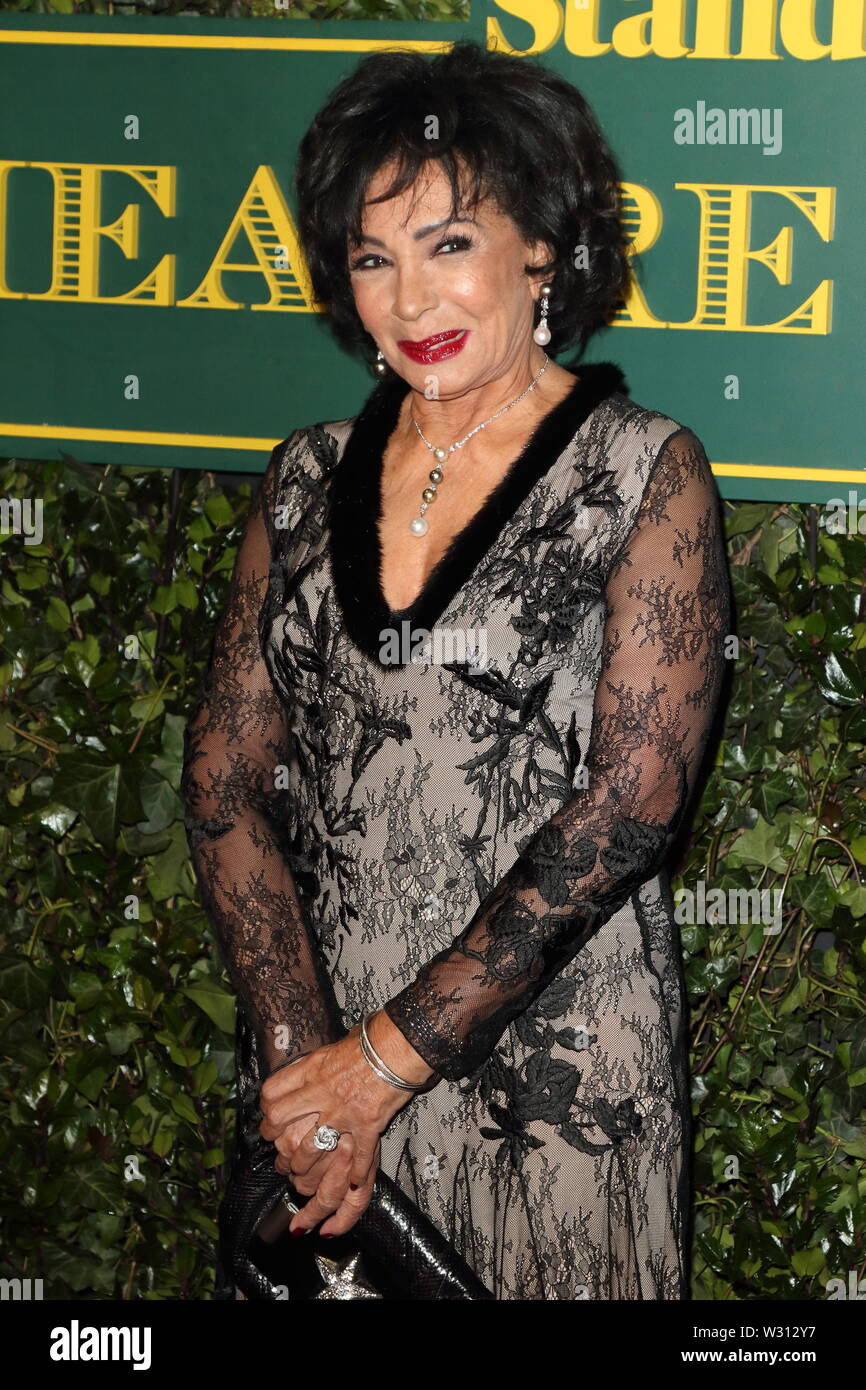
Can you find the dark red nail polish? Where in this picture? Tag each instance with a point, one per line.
(329, 1235)
(298, 1231)
(354, 1186)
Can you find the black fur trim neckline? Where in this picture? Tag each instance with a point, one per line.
(355, 506)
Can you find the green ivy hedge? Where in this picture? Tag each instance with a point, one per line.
(452, 10)
(116, 1022)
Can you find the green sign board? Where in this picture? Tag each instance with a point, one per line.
(155, 308)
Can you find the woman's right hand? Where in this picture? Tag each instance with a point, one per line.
(326, 1182)
(332, 1200)
(307, 1183)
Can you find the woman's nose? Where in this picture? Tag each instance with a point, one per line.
(412, 294)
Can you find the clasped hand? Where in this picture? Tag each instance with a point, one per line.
(334, 1085)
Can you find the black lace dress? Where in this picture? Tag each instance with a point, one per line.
(475, 840)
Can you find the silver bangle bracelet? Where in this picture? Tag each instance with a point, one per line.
(400, 1085)
(381, 1068)
(373, 1055)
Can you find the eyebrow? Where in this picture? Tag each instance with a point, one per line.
(422, 231)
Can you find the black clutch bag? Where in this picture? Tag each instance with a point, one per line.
(392, 1251)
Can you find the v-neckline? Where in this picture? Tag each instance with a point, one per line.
(356, 505)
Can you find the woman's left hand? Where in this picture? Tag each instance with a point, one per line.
(334, 1085)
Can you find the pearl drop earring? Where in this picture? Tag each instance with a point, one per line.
(542, 332)
(381, 366)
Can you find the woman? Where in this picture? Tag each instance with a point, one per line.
(465, 848)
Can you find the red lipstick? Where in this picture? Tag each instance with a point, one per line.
(437, 348)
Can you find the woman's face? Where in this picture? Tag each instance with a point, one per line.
(417, 276)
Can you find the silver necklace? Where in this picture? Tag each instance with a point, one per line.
(419, 525)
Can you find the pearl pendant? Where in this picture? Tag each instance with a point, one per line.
(418, 525)
(542, 334)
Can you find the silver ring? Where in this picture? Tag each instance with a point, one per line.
(326, 1137)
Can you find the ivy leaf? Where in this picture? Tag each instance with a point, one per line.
(92, 1184)
(21, 985)
(161, 803)
(842, 683)
(758, 846)
(216, 1003)
(100, 790)
(780, 787)
(169, 872)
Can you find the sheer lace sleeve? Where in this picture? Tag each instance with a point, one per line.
(234, 744)
(667, 602)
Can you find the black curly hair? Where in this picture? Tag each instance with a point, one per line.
(508, 129)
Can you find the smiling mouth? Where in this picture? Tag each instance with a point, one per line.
(437, 348)
(437, 338)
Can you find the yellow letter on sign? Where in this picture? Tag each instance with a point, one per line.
(642, 220)
(543, 16)
(267, 222)
(724, 256)
(77, 229)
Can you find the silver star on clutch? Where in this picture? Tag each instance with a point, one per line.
(343, 1279)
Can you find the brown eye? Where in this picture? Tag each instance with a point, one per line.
(462, 243)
